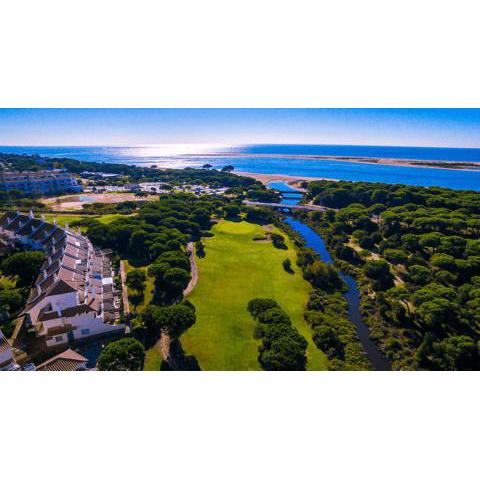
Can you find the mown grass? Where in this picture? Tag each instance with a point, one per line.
(62, 219)
(236, 269)
(153, 360)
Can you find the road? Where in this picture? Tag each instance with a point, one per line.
(123, 277)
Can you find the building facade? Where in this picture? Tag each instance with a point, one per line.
(39, 183)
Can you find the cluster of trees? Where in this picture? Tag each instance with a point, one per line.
(333, 332)
(147, 327)
(125, 208)
(171, 271)
(156, 236)
(157, 228)
(342, 194)
(171, 320)
(320, 274)
(256, 192)
(278, 241)
(261, 216)
(327, 314)
(126, 354)
(136, 284)
(17, 273)
(418, 264)
(287, 266)
(14, 200)
(282, 347)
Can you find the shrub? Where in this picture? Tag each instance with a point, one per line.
(258, 305)
(278, 241)
(273, 315)
(287, 266)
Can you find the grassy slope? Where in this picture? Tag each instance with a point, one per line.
(235, 270)
(64, 219)
(153, 360)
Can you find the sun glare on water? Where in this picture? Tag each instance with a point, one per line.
(171, 155)
(176, 149)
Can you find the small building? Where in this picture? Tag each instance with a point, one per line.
(67, 361)
(132, 187)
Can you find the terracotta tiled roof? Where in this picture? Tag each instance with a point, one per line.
(60, 287)
(65, 313)
(67, 361)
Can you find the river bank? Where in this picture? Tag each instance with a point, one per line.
(314, 241)
(292, 180)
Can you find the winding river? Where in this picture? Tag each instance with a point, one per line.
(314, 241)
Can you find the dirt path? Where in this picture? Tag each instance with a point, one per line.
(123, 277)
(193, 270)
(163, 346)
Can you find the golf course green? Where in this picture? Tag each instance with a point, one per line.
(238, 267)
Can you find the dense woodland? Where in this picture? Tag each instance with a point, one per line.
(415, 252)
(18, 270)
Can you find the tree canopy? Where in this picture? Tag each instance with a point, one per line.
(124, 354)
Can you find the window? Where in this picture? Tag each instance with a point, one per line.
(85, 331)
(59, 338)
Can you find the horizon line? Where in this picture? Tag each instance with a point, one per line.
(235, 145)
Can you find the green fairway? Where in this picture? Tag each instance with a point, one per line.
(236, 269)
(62, 220)
(153, 360)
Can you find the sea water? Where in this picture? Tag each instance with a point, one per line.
(181, 156)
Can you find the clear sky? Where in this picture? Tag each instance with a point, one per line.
(416, 127)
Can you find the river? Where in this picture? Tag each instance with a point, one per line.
(314, 241)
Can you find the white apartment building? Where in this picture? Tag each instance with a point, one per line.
(74, 296)
(39, 183)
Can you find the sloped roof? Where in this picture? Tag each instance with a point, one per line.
(67, 361)
(66, 313)
(60, 287)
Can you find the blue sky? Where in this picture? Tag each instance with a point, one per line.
(416, 127)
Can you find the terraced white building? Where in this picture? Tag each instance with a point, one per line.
(39, 183)
(74, 296)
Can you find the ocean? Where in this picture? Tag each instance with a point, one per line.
(284, 162)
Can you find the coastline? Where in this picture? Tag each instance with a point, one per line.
(396, 162)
